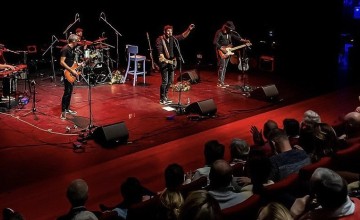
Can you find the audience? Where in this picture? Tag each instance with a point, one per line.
(259, 142)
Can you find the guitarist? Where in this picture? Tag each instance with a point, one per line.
(67, 60)
(165, 47)
(222, 40)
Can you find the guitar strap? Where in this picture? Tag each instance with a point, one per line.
(165, 48)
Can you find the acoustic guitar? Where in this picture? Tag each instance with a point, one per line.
(166, 61)
(154, 66)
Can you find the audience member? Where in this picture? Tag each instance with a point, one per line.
(328, 198)
(221, 187)
(171, 198)
(274, 211)
(287, 160)
(213, 150)
(77, 194)
(259, 142)
(132, 192)
(200, 205)
(239, 151)
(291, 127)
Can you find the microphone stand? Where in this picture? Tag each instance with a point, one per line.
(179, 107)
(53, 79)
(117, 41)
(70, 25)
(246, 89)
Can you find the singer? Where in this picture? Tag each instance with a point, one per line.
(223, 42)
(165, 48)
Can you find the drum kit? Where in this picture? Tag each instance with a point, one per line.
(96, 55)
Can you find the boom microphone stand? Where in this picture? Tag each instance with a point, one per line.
(54, 40)
(180, 109)
(103, 17)
(77, 18)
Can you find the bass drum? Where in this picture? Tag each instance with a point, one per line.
(101, 72)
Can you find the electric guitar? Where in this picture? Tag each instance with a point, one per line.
(72, 77)
(154, 66)
(226, 51)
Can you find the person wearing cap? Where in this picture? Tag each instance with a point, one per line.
(67, 60)
(223, 41)
(165, 45)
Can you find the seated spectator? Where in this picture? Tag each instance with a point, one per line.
(239, 151)
(291, 127)
(132, 192)
(328, 198)
(200, 205)
(213, 150)
(325, 142)
(287, 160)
(171, 198)
(274, 211)
(307, 124)
(10, 214)
(259, 142)
(221, 187)
(77, 194)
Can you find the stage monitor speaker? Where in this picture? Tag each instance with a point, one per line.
(268, 93)
(111, 135)
(203, 108)
(189, 75)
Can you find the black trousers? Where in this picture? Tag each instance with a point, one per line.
(68, 89)
(167, 77)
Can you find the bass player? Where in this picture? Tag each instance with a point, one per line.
(223, 41)
(67, 60)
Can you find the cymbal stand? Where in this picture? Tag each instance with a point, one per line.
(180, 109)
(103, 17)
(33, 109)
(77, 18)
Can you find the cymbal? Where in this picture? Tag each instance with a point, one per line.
(100, 39)
(85, 42)
(63, 41)
(102, 47)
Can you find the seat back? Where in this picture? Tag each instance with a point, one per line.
(247, 209)
(132, 49)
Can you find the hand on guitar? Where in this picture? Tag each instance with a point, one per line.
(162, 59)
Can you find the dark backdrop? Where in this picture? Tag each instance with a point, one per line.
(306, 35)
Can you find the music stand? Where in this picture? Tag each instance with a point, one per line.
(33, 109)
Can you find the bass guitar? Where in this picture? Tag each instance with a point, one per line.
(72, 77)
(226, 51)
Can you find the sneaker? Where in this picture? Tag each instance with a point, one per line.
(63, 116)
(167, 100)
(221, 85)
(163, 102)
(226, 85)
(71, 112)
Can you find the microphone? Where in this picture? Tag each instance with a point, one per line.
(104, 16)
(77, 17)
